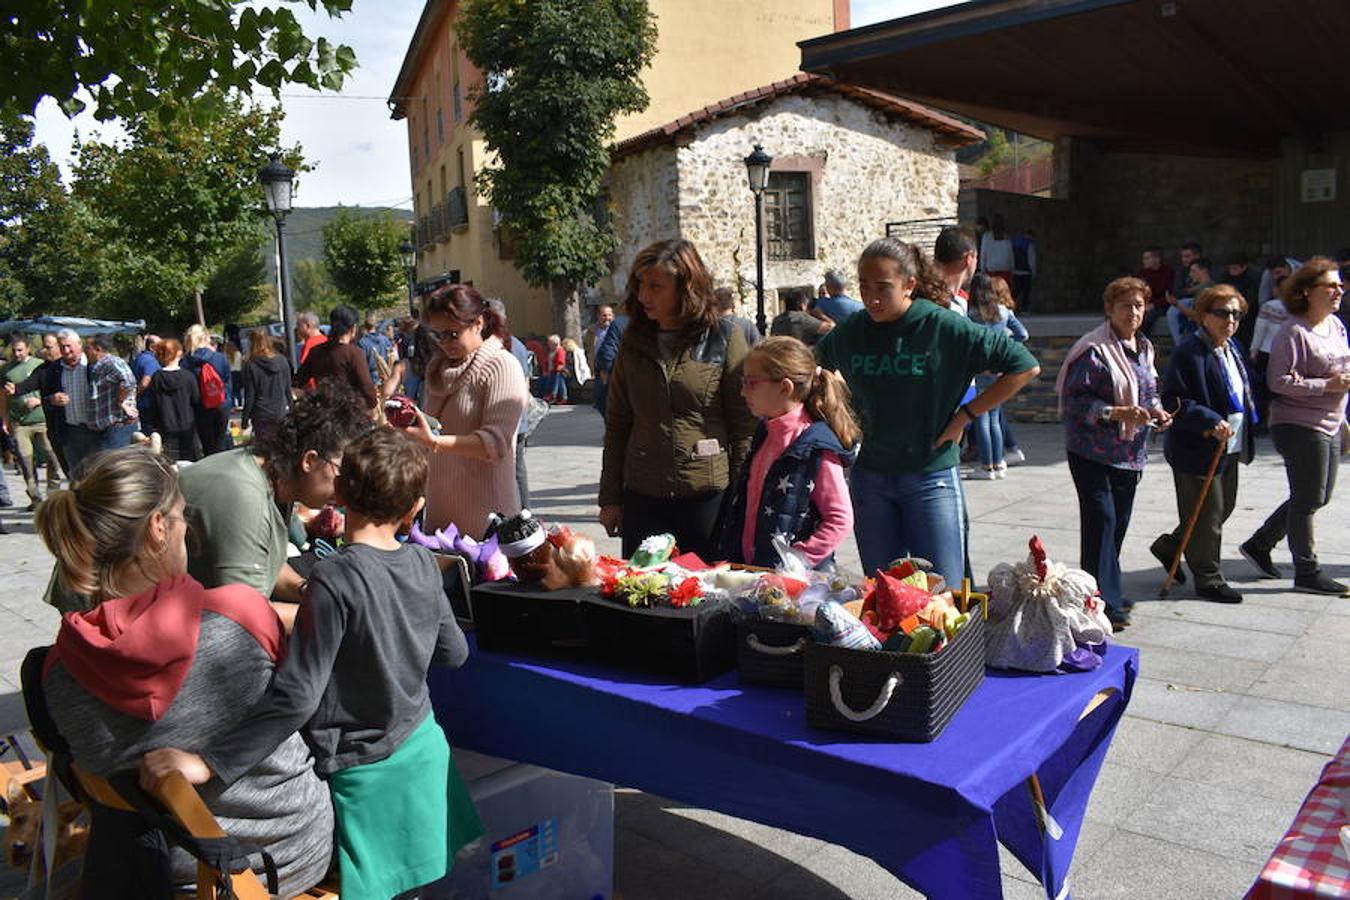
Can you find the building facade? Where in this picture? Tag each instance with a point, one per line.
(703, 53)
(846, 163)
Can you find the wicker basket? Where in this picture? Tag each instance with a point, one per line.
(771, 653)
(692, 644)
(902, 696)
(509, 616)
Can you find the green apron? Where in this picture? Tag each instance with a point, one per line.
(401, 820)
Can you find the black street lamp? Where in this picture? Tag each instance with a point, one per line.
(409, 254)
(757, 168)
(278, 181)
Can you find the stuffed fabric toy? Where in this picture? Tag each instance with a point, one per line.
(553, 561)
(1044, 617)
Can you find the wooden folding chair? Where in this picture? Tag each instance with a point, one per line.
(14, 772)
(186, 807)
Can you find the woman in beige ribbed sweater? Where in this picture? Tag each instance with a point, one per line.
(477, 392)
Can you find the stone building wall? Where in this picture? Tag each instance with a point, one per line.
(643, 191)
(1131, 200)
(1109, 206)
(866, 169)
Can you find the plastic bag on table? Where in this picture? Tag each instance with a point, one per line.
(790, 562)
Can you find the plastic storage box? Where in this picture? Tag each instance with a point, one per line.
(547, 835)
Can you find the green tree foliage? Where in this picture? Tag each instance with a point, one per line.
(134, 55)
(174, 203)
(239, 280)
(312, 288)
(361, 256)
(41, 252)
(558, 72)
(998, 152)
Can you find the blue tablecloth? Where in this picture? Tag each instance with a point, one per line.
(933, 814)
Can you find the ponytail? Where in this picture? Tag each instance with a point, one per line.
(823, 393)
(61, 526)
(828, 401)
(98, 525)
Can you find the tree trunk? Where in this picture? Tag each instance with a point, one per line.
(201, 313)
(566, 310)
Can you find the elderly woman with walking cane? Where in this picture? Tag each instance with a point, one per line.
(1213, 419)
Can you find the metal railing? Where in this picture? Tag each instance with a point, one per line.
(457, 210)
(922, 232)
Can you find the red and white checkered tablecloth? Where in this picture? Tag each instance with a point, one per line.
(1310, 860)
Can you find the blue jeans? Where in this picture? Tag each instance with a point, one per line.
(80, 442)
(1105, 502)
(115, 437)
(919, 514)
(1178, 323)
(557, 386)
(601, 396)
(989, 436)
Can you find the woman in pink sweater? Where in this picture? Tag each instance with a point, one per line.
(1308, 376)
(793, 487)
(477, 391)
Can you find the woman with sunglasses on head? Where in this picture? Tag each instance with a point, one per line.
(677, 429)
(1209, 392)
(477, 392)
(1308, 376)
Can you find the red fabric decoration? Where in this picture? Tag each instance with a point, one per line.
(684, 593)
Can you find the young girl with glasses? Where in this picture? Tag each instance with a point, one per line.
(793, 486)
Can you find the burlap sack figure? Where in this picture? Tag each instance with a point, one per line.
(1044, 617)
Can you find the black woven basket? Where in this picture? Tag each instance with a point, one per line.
(902, 696)
(692, 644)
(771, 653)
(509, 616)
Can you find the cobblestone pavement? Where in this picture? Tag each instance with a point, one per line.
(1236, 710)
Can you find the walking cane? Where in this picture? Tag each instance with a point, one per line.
(1195, 517)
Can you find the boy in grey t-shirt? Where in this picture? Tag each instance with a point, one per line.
(375, 619)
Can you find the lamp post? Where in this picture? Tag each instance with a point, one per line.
(409, 254)
(757, 169)
(278, 182)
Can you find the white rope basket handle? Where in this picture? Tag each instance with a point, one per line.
(883, 698)
(759, 646)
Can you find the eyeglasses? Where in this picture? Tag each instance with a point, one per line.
(1232, 314)
(441, 337)
(336, 464)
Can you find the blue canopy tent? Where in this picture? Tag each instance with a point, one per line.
(82, 327)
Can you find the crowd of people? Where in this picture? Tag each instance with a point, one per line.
(294, 691)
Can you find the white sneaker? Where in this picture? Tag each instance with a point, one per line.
(983, 475)
(1014, 457)
(1001, 470)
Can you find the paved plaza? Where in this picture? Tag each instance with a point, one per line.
(1236, 710)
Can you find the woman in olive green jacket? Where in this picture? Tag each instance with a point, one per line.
(677, 428)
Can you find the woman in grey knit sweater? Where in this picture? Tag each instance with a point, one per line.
(159, 660)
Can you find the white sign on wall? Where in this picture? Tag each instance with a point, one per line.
(1319, 185)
